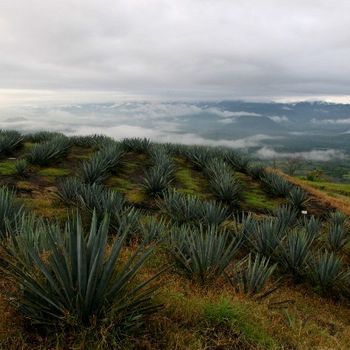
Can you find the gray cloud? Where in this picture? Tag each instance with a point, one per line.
(200, 48)
(318, 155)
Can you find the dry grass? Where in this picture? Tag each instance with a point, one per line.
(320, 196)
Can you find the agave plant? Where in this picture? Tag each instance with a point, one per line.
(203, 253)
(325, 271)
(276, 185)
(91, 197)
(153, 230)
(295, 252)
(338, 218)
(41, 136)
(10, 211)
(337, 237)
(199, 156)
(79, 280)
(21, 167)
(256, 171)
(267, 236)
(190, 209)
(87, 141)
(156, 180)
(286, 216)
(139, 145)
(239, 161)
(9, 141)
(251, 275)
(49, 151)
(312, 226)
(297, 198)
(246, 227)
(101, 164)
(227, 189)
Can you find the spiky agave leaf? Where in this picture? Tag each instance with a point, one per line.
(267, 236)
(49, 151)
(136, 144)
(239, 161)
(190, 209)
(286, 216)
(9, 141)
(77, 279)
(21, 167)
(337, 237)
(298, 198)
(338, 218)
(10, 211)
(251, 275)
(325, 272)
(276, 185)
(202, 253)
(312, 226)
(294, 253)
(157, 179)
(102, 163)
(153, 230)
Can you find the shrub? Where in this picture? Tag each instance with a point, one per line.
(78, 281)
(202, 253)
(49, 151)
(297, 198)
(252, 275)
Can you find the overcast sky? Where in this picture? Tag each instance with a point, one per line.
(104, 49)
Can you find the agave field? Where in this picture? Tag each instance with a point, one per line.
(130, 244)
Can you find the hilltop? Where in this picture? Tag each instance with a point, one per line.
(136, 245)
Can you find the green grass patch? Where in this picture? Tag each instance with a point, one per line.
(254, 197)
(330, 188)
(189, 181)
(54, 172)
(7, 167)
(240, 319)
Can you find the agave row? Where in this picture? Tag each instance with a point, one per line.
(159, 177)
(182, 208)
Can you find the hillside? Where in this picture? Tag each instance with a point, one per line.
(189, 247)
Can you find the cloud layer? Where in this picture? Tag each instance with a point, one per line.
(198, 48)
